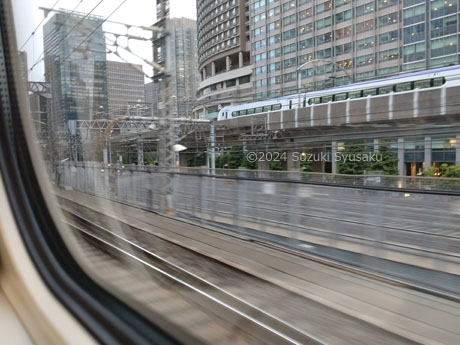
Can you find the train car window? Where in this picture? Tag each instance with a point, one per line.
(354, 94)
(369, 92)
(422, 84)
(250, 111)
(235, 114)
(385, 89)
(276, 106)
(403, 87)
(259, 110)
(340, 96)
(438, 81)
(267, 108)
(314, 100)
(243, 112)
(326, 99)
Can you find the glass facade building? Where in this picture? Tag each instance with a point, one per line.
(76, 68)
(347, 41)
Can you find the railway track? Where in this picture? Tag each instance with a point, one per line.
(262, 325)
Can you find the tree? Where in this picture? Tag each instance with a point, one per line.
(387, 162)
(349, 163)
(197, 159)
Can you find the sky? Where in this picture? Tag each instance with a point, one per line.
(136, 12)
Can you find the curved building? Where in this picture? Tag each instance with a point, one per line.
(223, 55)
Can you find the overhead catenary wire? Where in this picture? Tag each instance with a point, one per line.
(40, 58)
(38, 26)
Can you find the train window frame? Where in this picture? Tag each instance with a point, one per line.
(314, 100)
(327, 99)
(250, 111)
(276, 106)
(105, 316)
(400, 87)
(436, 80)
(259, 110)
(418, 82)
(267, 108)
(344, 94)
(381, 89)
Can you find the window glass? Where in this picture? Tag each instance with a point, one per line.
(369, 92)
(354, 94)
(385, 89)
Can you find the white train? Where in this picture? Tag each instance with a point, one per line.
(440, 77)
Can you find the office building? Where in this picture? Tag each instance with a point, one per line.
(223, 55)
(76, 67)
(177, 52)
(347, 41)
(125, 85)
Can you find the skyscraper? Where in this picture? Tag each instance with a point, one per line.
(125, 83)
(76, 67)
(223, 55)
(347, 41)
(178, 52)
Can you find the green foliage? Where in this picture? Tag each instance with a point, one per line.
(196, 159)
(353, 147)
(150, 158)
(233, 159)
(452, 171)
(305, 164)
(431, 172)
(388, 162)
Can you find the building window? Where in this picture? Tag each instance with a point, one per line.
(389, 54)
(408, 3)
(287, 35)
(324, 54)
(306, 43)
(304, 29)
(289, 77)
(324, 38)
(444, 26)
(364, 9)
(288, 5)
(322, 23)
(343, 32)
(290, 62)
(414, 15)
(414, 33)
(339, 3)
(414, 52)
(274, 53)
(289, 19)
(365, 60)
(326, 6)
(365, 43)
(443, 7)
(305, 13)
(444, 46)
(388, 37)
(342, 16)
(290, 48)
(365, 26)
(388, 19)
(343, 48)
